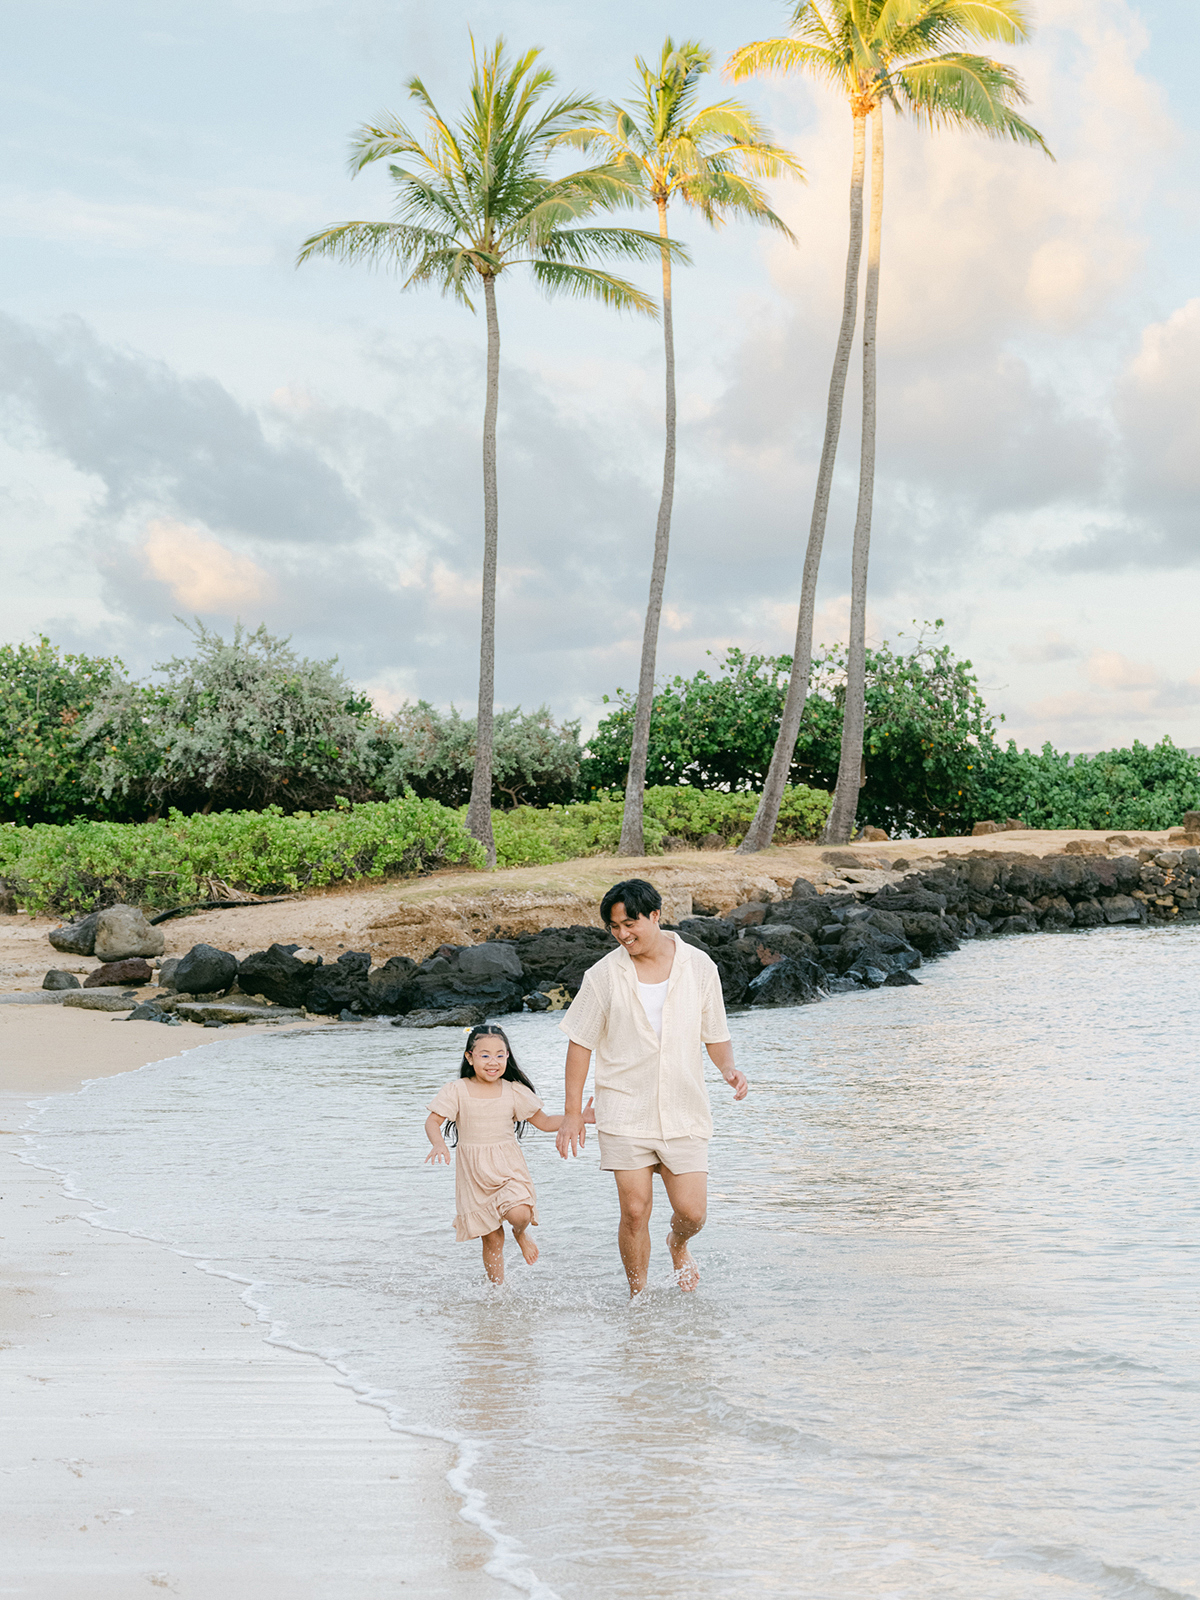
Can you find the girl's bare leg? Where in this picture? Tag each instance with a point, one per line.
(518, 1219)
(493, 1255)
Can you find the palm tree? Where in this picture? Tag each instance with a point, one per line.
(474, 200)
(708, 158)
(908, 53)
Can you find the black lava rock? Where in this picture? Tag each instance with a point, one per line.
(56, 979)
(205, 970)
(276, 974)
(795, 981)
(76, 938)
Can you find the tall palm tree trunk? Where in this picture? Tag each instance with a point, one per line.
(479, 811)
(762, 829)
(633, 838)
(840, 827)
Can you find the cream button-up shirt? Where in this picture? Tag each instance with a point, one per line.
(646, 1088)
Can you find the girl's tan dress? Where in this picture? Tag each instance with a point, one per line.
(490, 1174)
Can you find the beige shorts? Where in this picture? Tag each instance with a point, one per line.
(621, 1154)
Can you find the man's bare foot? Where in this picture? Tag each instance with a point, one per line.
(526, 1246)
(687, 1273)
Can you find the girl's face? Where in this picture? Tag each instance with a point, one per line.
(488, 1058)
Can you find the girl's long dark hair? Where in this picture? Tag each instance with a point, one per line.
(512, 1073)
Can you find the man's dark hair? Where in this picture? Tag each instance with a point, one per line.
(637, 896)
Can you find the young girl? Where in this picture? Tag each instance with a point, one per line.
(487, 1106)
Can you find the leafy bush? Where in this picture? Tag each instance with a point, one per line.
(528, 837)
(535, 760)
(1117, 789)
(926, 727)
(86, 865)
(44, 776)
(246, 723)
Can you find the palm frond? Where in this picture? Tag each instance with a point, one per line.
(967, 91)
(579, 244)
(380, 244)
(789, 55)
(587, 283)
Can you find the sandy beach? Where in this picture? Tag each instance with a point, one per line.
(150, 1440)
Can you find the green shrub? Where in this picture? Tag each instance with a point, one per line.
(527, 837)
(1117, 789)
(926, 724)
(85, 865)
(535, 760)
(243, 723)
(44, 695)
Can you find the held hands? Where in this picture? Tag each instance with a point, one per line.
(440, 1152)
(571, 1132)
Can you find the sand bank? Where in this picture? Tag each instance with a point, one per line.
(150, 1441)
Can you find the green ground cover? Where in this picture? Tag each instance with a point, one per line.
(76, 867)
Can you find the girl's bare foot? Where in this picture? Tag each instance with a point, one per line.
(526, 1246)
(687, 1273)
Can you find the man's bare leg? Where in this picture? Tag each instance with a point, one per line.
(493, 1255)
(688, 1194)
(518, 1219)
(635, 1191)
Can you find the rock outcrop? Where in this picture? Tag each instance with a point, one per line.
(122, 931)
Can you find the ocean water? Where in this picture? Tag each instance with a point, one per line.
(946, 1346)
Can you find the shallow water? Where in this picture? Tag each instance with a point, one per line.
(946, 1342)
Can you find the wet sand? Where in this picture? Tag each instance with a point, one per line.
(150, 1441)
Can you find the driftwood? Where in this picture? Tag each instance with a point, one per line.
(219, 905)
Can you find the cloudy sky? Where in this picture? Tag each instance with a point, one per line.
(190, 426)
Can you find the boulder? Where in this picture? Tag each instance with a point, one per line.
(279, 973)
(122, 931)
(1121, 908)
(748, 915)
(227, 1011)
(114, 973)
(83, 1001)
(899, 980)
(390, 989)
(167, 968)
(492, 960)
(450, 991)
(205, 970)
(708, 931)
(794, 981)
(147, 1011)
(802, 889)
(981, 828)
(875, 835)
(76, 938)
(1015, 924)
(57, 979)
(1191, 822)
(561, 956)
(456, 1017)
(342, 985)
(1088, 914)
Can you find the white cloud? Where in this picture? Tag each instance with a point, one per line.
(200, 573)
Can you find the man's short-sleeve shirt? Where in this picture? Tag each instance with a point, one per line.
(647, 1088)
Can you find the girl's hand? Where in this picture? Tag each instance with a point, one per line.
(440, 1152)
(589, 1115)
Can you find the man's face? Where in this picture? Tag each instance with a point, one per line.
(638, 934)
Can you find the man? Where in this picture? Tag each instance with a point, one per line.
(645, 1010)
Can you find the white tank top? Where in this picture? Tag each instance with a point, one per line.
(653, 997)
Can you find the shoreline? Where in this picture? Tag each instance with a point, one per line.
(153, 1438)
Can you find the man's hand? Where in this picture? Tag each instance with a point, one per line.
(737, 1081)
(571, 1135)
